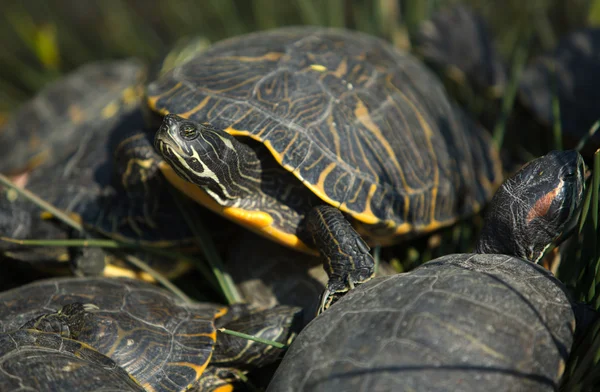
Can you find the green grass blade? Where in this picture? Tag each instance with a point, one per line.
(336, 13)
(41, 203)
(588, 136)
(159, 277)
(229, 17)
(595, 183)
(585, 208)
(113, 244)
(253, 338)
(84, 243)
(508, 100)
(556, 125)
(266, 13)
(309, 13)
(77, 226)
(202, 236)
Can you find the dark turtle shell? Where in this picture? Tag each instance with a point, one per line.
(365, 127)
(46, 128)
(459, 322)
(161, 342)
(39, 361)
(124, 197)
(457, 41)
(567, 74)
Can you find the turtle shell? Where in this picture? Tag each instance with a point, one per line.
(160, 341)
(365, 127)
(456, 41)
(91, 185)
(40, 361)
(565, 74)
(45, 129)
(465, 321)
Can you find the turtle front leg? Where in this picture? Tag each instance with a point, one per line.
(348, 261)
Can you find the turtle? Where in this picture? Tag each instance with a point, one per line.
(109, 182)
(564, 74)
(162, 342)
(41, 361)
(44, 129)
(271, 128)
(489, 320)
(456, 42)
(109, 192)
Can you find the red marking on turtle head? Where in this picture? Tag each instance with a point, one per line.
(542, 206)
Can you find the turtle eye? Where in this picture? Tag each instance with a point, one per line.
(568, 173)
(188, 131)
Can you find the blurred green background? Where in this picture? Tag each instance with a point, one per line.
(43, 39)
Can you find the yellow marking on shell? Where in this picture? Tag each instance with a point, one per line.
(143, 163)
(342, 69)
(151, 101)
(270, 56)
(131, 95)
(319, 192)
(318, 67)
(148, 387)
(290, 144)
(196, 108)
(258, 221)
(134, 380)
(38, 159)
(323, 176)
(334, 133)
(286, 238)
(436, 176)
(110, 110)
(237, 132)
(45, 215)
(176, 270)
(114, 271)
(76, 115)
(123, 143)
(224, 388)
(220, 313)
(362, 114)
(367, 215)
(198, 369)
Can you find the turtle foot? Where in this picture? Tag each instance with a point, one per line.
(338, 286)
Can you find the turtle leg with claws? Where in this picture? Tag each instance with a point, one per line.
(348, 261)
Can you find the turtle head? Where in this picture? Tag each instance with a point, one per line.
(210, 158)
(535, 206)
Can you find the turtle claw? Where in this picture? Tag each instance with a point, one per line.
(327, 299)
(337, 288)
